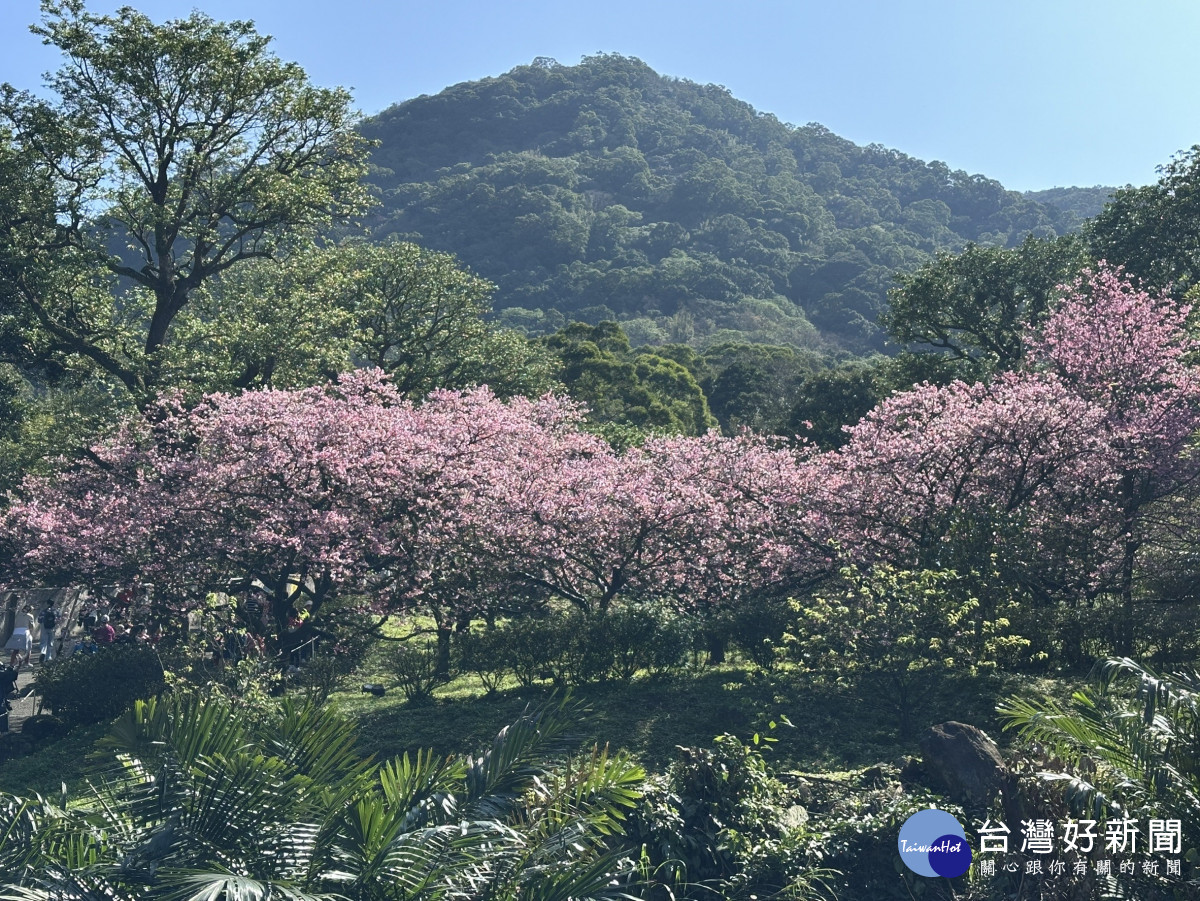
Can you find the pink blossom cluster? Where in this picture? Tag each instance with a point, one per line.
(1055, 464)
(457, 504)
(465, 503)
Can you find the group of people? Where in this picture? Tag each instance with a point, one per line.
(100, 628)
(20, 644)
(231, 637)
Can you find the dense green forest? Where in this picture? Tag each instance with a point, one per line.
(608, 191)
(1082, 203)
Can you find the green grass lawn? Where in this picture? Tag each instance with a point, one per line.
(833, 730)
(52, 764)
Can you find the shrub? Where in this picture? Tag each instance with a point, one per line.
(721, 825)
(1168, 634)
(88, 688)
(1068, 638)
(416, 670)
(573, 648)
(674, 639)
(756, 627)
(485, 654)
(43, 727)
(891, 631)
(647, 638)
(858, 839)
(586, 649)
(531, 647)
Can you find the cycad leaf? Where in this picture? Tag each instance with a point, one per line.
(215, 886)
(519, 753)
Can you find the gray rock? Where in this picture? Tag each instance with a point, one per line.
(964, 761)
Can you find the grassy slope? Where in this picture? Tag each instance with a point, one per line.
(53, 764)
(833, 729)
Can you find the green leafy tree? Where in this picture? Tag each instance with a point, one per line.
(752, 385)
(1154, 231)
(892, 633)
(644, 390)
(977, 305)
(169, 154)
(1081, 203)
(720, 824)
(414, 313)
(827, 402)
(824, 403)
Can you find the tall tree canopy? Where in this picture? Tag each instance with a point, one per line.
(322, 310)
(168, 154)
(978, 305)
(645, 390)
(1154, 231)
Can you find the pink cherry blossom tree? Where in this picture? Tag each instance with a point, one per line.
(936, 469)
(327, 492)
(695, 520)
(1047, 473)
(459, 506)
(1127, 353)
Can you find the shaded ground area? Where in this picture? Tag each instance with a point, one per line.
(833, 729)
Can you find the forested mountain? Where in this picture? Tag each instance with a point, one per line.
(1083, 203)
(606, 190)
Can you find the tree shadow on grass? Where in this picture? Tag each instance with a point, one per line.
(833, 726)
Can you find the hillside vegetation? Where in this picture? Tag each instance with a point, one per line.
(606, 190)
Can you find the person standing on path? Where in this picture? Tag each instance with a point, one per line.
(21, 643)
(49, 622)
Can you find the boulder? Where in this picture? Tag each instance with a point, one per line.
(43, 727)
(964, 761)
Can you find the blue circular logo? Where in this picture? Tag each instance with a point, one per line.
(933, 843)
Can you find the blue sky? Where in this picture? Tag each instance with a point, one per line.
(1035, 93)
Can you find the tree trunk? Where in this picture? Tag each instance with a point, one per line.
(903, 707)
(1131, 549)
(716, 648)
(443, 652)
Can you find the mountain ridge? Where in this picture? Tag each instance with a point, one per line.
(606, 190)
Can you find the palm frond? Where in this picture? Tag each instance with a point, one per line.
(233, 799)
(316, 741)
(519, 753)
(423, 784)
(18, 822)
(1111, 751)
(209, 804)
(183, 726)
(209, 886)
(602, 879)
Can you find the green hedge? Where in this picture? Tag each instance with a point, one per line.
(88, 688)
